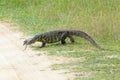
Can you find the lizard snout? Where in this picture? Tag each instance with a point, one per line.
(25, 42)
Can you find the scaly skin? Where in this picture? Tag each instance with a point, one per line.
(59, 35)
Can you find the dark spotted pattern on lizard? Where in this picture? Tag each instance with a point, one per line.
(59, 35)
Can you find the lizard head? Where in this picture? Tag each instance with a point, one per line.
(28, 41)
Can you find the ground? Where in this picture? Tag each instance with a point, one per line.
(16, 64)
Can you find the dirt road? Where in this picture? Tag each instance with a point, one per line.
(16, 64)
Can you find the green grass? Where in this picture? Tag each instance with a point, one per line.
(93, 63)
(97, 65)
(99, 18)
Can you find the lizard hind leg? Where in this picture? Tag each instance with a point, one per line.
(71, 39)
(63, 37)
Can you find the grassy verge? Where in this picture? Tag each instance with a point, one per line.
(84, 62)
(98, 18)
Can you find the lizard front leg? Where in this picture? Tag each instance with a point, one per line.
(43, 44)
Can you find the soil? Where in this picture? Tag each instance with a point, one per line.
(16, 64)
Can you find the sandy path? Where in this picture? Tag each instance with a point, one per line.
(16, 64)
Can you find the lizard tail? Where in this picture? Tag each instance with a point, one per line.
(87, 37)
